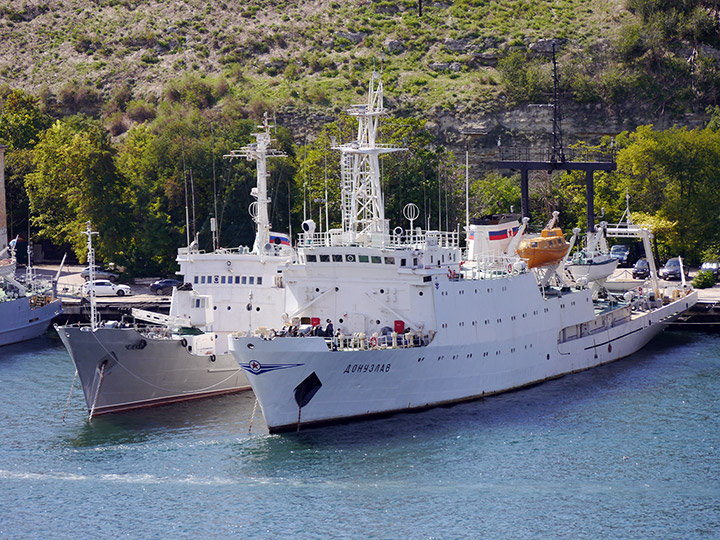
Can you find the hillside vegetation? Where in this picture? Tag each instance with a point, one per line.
(285, 54)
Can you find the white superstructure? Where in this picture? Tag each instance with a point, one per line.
(412, 327)
(159, 359)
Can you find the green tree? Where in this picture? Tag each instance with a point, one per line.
(75, 181)
(21, 123)
(673, 174)
(496, 193)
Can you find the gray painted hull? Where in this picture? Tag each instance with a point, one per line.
(121, 369)
(19, 321)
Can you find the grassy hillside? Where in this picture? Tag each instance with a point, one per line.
(285, 52)
(467, 57)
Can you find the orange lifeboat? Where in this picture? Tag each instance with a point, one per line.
(547, 249)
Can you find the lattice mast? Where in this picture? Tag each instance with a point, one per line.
(260, 151)
(363, 209)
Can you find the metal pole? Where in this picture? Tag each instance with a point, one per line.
(590, 199)
(467, 189)
(524, 193)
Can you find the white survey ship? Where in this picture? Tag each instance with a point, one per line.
(155, 359)
(416, 326)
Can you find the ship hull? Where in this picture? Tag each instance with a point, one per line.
(121, 369)
(21, 321)
(355, 384)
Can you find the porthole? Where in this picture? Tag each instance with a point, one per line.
(420, 293)
(340, 320)
(257, 309)
(250, 345)
(382, 291)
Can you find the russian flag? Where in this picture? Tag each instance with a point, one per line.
(279, 239)
(502, 235)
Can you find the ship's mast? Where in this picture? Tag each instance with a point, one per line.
(260, 151)
(363, 209)
(94, 317)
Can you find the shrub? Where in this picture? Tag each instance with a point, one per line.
(116, 124)
(522, 78)
(704, 280)
(139, 111)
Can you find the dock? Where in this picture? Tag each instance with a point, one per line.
(703, 316)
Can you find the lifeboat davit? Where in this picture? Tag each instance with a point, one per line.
(545, 250)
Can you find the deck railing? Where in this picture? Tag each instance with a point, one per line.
(526, 153)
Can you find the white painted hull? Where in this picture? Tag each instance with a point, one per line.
(160, 372)
(623, 285)
(593, 272)
(19, 321)
(366, 383)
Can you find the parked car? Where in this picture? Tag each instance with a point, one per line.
(621, 252)
(164, 286)
(671, 270)
(641, 270)
(711, 266)
(100, 273)
(104, 287)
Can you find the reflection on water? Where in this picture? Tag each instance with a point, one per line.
(221, 416)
